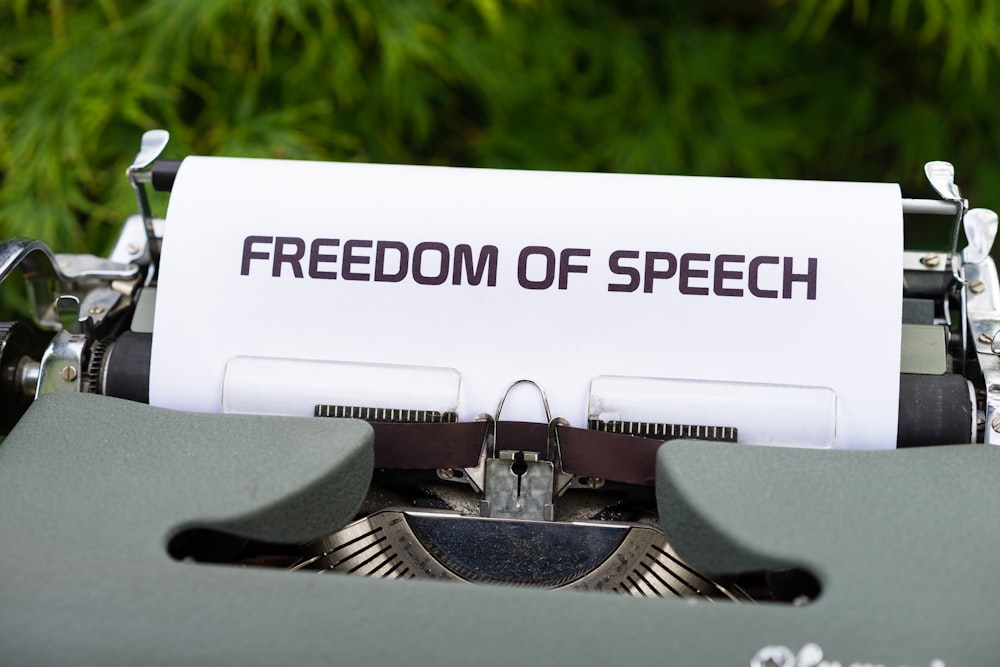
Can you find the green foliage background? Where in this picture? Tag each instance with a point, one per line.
(828, 89)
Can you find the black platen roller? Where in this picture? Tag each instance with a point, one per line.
(163, 173)
(126, 371)
(934, 410)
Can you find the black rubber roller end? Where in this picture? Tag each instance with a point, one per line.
(163, 174)
(126, 369)
(934, 410)
(21, 345)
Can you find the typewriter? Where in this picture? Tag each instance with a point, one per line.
(368, 534)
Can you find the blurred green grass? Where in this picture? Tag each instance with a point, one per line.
(834, 89)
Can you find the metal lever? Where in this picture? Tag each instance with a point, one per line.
(153, 143)
(68, 311)
(941, 175)
(981, 231)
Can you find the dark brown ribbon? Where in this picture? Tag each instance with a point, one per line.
(585, 453)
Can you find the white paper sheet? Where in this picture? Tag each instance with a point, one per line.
(579, 275)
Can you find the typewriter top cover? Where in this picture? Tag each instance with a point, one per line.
(540, 419)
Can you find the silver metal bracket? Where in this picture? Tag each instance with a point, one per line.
(51, 276)
(519, 484)
(132, 246)
(61, 366)
(984, 325)
(980, 230)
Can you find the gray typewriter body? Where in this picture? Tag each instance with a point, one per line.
(133, 533)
